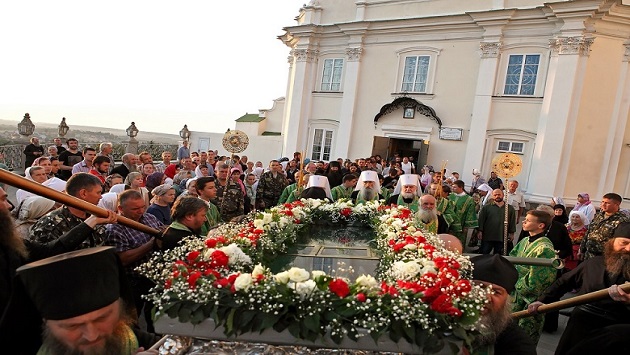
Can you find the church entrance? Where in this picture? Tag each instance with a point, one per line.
(387, 148)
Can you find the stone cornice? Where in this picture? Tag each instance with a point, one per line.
(571, 45)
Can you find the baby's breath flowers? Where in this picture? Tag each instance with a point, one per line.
(420, 292)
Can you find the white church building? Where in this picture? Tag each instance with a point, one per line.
(459, 82)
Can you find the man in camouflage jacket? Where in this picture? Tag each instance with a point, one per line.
(602, 227)
(270, 186)
(230, 198)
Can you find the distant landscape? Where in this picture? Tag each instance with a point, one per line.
(46, 132)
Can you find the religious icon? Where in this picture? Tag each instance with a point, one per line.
(409, 112)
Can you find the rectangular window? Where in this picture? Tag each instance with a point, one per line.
(520, 78)
(322, 143)
(415, 74)
(511, 147)
(331, 78)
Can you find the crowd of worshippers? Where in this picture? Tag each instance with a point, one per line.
(189, 193)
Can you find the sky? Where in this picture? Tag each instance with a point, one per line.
(161, 64)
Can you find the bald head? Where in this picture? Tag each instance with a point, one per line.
(427, 202)
(451, 242)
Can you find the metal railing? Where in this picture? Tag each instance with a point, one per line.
(14, 154)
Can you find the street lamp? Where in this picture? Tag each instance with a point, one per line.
(63, 128)
(132, 131)
(184, 133)
(26, 127)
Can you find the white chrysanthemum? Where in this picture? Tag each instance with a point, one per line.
(305, 288)
(410, 247)
(243, 282)
(367, 281)
(236, 255)
(267, 218)
(297, 274)
(282, 277)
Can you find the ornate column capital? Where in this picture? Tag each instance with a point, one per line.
(490, 49)
(304, 55)
(353, 54)
(571, 45)
(626, 52)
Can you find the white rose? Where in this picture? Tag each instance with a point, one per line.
(411, 229)
(282, 277)
(259, 224)
(429, 266)
(305, 288)
(367, 281)
(298, 275)
(258, 270)
(410, 247)
(243, 282)
(411, 269)
(317, 273)
(391, 235)
(267, 218)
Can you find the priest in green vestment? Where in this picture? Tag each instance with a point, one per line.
(465, 215)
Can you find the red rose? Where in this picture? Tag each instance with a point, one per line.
(219, 259)
(339, 287)
(221, 283)
(193, 255)
(168, 284)
(462, 286)
(361, 297)
(405, 213)
(346, 212)
(211, 243)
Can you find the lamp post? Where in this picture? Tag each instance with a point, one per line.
(132, 145)
(63, 128)
(26, 126)
(185, 133)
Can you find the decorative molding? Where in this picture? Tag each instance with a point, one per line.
(490, 49)
(626, 52)
(408, 102)
(290, 60)
(354, 54)
(571, 45)
(304, 55)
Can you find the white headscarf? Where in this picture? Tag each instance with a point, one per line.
(320, 181)
(55, 183)
(109, 201)
(368, 175)
(258, 172)
(34, 207)
(118, 188)
(408, 179)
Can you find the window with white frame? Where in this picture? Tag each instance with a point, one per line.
(331, 76)
(322, 144)
(522, 74)
(510, 147)
(415, 74)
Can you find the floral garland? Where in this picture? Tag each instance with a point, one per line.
(421, 290)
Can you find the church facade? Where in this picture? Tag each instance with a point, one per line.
(457, 83)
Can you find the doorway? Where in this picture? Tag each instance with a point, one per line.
(387, 147)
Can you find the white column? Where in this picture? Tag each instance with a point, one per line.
(617, 128)
(348, 103)
(482, 106)
(556, 124)
(298, 101)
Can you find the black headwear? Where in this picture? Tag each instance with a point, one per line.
(622, 230)
(495, 269)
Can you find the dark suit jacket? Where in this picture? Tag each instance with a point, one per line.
(122, 170)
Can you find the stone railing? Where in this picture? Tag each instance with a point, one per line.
(14, 156)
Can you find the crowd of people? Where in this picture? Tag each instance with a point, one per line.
(196, 191)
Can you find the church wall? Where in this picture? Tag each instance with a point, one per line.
(512, 113)
(326, 106)
(274, 116)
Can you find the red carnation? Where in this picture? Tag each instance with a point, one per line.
(361, 297)
(193, 255)
(339, 287)
(219, 259)
(222, 283)
(211, 243)
(192, 278)
(346, 212)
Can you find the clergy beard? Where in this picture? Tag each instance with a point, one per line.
(113, 343)
(492, 324)
(367, 193)
(10, 238)
(617, 262)
(427, 216)
(407, 195)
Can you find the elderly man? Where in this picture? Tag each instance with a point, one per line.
(166, 161)
(189, 215)
(133, 246)
(533, 280)
(406, 192)
(105, 150)
(317, 188)
(344, 190)
(491, 230)
(270, 186)
(81, 297)
(599, 272)
(515, 199)
(368, 188)
(499, 332)
(602, 227)
(129, 161)
(429, 217)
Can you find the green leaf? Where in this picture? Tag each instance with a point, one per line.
(173, 310)
(268, 321)
(312, 323)
(409, 333)
(229, 324)
(184, 314)
(197, 316)
(337, 337)
(295, 331)
(454, 347)
(421, 336)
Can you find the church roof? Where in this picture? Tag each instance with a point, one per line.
(250, 117)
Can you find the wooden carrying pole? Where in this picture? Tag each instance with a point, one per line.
(571, 302)
(44, 191)
(506, 222)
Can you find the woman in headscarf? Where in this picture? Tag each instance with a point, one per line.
(32, 209)
(585, 206)
(577, 230)
(171, 170)
(163, 198)
(33, 173)
(111, 180)
(154, 180)
(560, 214)
(109, 201)
(201, 171)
